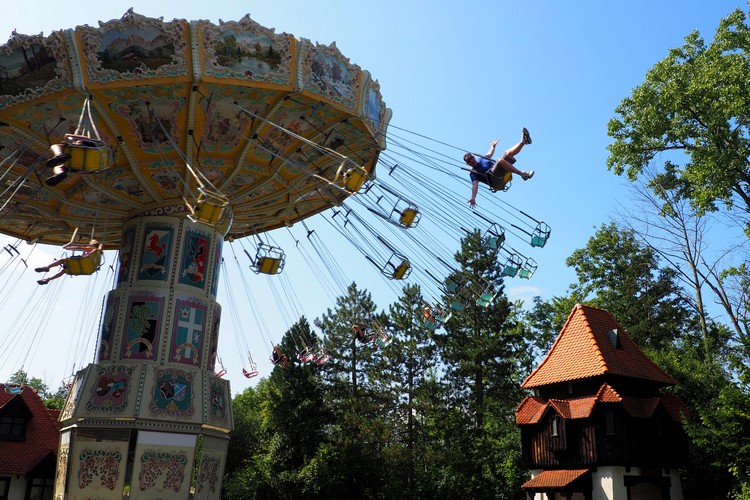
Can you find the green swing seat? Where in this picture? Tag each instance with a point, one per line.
(485, 299)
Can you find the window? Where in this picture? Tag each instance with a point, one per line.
(12, 427)
(4, 488)
(614, 336)
(610, 422)
(41, 488)
(555, 426)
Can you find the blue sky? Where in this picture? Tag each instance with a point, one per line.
(462, 74)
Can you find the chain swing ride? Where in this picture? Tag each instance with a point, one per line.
(162, 140)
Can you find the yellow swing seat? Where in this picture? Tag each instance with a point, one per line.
(354, 178)
(400, 272)
(498, 183)
(268, 265)
(87, 154)
(79, 265)
(208, 210)
(268, 260)
(408, 217)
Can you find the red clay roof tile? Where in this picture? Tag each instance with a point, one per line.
(585, 349)
(607, 394)
(42, 434)
(554, 479)
(532, 408)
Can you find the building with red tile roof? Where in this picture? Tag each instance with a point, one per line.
(600, 424)
(29, 436)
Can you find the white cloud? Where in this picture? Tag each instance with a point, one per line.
(525, 293)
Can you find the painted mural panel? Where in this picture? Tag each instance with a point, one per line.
(111, 390)
(73, 396)
(328, 73)
(214, 340)
(152, 126)
(97, 469)
(140, 339)
(217, 403)
(108, 326)
(208, 480)
(63, 456)
(247, 50)
(188, 333)
(211, 468)
(157, 247)
(162, 467)
(194, 257)
(217, 266)
(172, 393)
(133, 48)
(126, 254)
(32, 66)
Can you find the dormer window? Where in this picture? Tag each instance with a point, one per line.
(614, 336)
(12, 427)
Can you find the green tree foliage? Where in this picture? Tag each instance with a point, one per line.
(248, 472)
(405, 378)
(691, 114)
(486, 354)
(52, 400)
(719, 462)
(356, 437)
(297, 417)
(617, 272)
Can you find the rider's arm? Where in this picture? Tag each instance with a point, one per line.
(491, 152)
(474, 191)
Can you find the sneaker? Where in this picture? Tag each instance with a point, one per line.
(527, 175)
(57, 160)
(56, 179)
(526, 136)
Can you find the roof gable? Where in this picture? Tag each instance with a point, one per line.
(592, 343)
(532, 408)
(42, 433)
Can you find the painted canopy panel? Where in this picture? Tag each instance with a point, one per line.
(253, 113)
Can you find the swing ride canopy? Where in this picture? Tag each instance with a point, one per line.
(263, 120)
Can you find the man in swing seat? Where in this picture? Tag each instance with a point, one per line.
(484, 169)
(86, 263)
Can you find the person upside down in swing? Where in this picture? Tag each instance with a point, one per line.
(492, 172)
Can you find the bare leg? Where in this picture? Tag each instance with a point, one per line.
(513, 151)
(47, 280)
(47, 268)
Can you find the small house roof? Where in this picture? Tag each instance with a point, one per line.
(592, 343)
